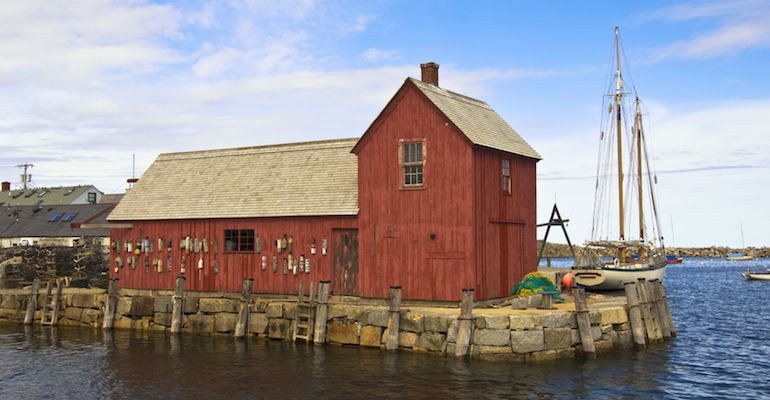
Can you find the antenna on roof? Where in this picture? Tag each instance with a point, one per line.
(25, 178)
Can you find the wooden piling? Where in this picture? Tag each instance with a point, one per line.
(319, 330)
(650, 323)
(634, 315)
(466, 323)
(664, 300)
(178, 305)
(665, 331)
(32, 303)
(243, 311)
(111, 305)
(584, 323)
(394, 318)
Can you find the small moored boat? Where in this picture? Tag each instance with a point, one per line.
(672, 259)
(757, 276)
(738, 257)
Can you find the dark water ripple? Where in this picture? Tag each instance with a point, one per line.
(721, 352)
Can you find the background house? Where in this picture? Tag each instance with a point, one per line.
(86, 194)
(438, 195)
(52, 225)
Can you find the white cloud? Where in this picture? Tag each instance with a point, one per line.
(376, 55)
(742, 25)
(361, 23)
(81, 40)
(218, 62)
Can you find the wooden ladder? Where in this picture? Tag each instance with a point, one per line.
(305, 319)
(50, 314)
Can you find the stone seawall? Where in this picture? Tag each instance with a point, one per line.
(501, 334)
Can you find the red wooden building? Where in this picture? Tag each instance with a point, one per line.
(438, 195)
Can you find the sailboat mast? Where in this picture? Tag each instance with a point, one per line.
(619, 114)
(638, 131)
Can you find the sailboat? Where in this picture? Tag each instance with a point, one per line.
(636, 249)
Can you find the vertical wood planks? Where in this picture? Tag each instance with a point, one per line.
(32, 303)
(243, 311)
(319, 331)
(178, 305)
(584, 323)
(394, 318)
(466, 323)
(634, 316)
(112, 304)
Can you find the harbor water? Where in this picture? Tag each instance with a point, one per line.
(722, 351)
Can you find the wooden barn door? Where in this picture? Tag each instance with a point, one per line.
(345, 262)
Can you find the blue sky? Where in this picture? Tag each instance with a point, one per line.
(86, 85)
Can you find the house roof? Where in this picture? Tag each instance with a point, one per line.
(476, 120)
(300, 179)
(36, 221)
(47, 196)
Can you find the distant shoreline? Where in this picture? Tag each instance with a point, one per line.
(558, 250)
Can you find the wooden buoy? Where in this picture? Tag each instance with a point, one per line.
(32, 303)
(466, 323)
(112, 304)
(243, 311)
(394, 318)
(319, 330)
(584, 323)
(634, 315)
(178, 305)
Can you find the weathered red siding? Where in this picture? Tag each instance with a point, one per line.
(505, 225)
(233, 267)
(396, 225)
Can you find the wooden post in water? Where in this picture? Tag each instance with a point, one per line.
(394, 318)
(653, 330)
(664, 300)
(112, 304)
(634, 316)
(319, 330)
(178, 305)
(32, 303)
(665, 331)
(584, 323)
(243, 311)
(466, 323)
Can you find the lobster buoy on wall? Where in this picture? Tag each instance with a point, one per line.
(567, 280)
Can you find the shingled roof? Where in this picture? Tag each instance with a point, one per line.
(52, 221)
(477, 120)
(47, 196)
(300, 179)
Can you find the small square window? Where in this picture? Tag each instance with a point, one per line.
(55, 217)
(69, 217)
(239, 240)
(412, 160)
(91, 197)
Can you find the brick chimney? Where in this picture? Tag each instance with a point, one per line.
(430, 73)
(6, 186)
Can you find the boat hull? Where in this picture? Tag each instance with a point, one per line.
(744, 258)
(609, 278)
(754, 276)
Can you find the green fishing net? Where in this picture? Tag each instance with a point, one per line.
(535, 283)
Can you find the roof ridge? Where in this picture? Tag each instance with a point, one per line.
(288, 148)
(268, 146)
(445, 92)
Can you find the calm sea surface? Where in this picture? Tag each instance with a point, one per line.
(722, 352)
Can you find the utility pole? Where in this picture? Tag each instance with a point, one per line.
(26, 177)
